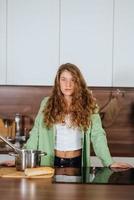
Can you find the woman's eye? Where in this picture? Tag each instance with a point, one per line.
(62, 79)
(73, 80)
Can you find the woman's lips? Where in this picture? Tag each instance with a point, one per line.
(68, 89)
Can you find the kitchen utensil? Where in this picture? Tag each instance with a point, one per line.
(27, 159)
(10, 144)
(24, 158)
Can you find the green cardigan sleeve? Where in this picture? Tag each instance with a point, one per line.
(32, 142)
(99, 141)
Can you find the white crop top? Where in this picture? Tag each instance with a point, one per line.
(67, 138)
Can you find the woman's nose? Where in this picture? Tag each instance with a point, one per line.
(68, 83)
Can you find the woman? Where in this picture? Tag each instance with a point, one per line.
(66, 123)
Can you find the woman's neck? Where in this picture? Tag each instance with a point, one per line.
(68, 100)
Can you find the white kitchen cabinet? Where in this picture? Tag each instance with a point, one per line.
(38, 35)
(123, 69)
(86, 38)
(32, 41)
(2, 41)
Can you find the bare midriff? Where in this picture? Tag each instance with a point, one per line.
(68, 154)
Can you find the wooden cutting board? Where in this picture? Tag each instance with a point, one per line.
(11, 172)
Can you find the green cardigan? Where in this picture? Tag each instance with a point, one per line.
(43, 139)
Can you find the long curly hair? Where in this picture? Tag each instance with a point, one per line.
(82, 106)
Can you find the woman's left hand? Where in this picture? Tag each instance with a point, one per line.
(120, 166)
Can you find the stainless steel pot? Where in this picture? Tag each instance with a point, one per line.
(27, 159)
(24, 158)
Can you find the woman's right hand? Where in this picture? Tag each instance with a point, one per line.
(120, 166)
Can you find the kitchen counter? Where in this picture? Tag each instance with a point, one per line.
(96, 184)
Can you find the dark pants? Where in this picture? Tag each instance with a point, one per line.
(67, 162)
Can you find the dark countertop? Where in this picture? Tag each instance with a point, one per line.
(48, 189)
(94, 175)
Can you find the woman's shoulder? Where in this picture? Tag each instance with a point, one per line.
(96, 109)
(44, 101)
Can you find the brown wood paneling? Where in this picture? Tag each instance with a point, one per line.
(26, 100)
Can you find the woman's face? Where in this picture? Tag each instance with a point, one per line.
(67, 83)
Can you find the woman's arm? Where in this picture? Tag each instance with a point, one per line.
(99, 141)
(32, 142)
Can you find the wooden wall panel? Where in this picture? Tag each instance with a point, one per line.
(26, 100)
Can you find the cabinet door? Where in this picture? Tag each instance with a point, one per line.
(2, 42)
(87, 38)
(32, 41)
(124, 44)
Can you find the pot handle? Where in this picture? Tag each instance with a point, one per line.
(43, 154)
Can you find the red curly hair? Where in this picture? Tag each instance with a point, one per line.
(82, 106)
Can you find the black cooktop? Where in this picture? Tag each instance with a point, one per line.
(94, 175)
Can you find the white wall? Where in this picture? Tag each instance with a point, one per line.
(32, 41)
(3, 42)
(123, 68)
(86, 38)
(38, 35)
